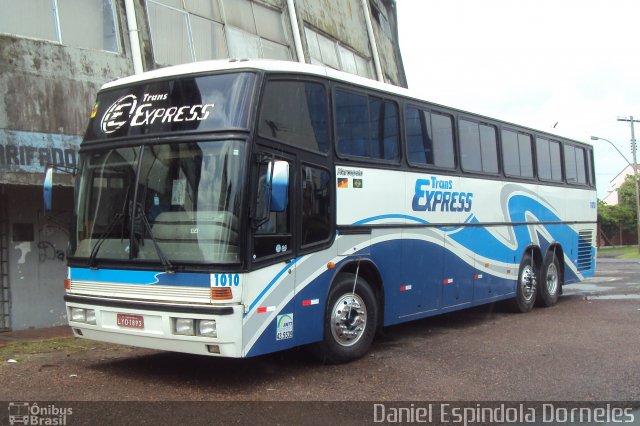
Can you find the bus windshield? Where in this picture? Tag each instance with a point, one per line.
(179, 201)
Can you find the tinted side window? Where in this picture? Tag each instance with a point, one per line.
(526, 157)
(316, 205)
(296, 113)
(517, 154)
(352, 124)
(510, 156)
(385, 136)
(543, 158)
(470, 146)
(556, 161)
(478, 147)
(570, 163)
(442, 126)
(548, 159)
(367, 127)
(580, 167)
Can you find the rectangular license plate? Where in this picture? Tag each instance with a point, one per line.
(130, 321)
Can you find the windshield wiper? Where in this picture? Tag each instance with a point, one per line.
(168, 267)
(94, 252)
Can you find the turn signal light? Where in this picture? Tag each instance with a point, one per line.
(221, 293)
(67, 284)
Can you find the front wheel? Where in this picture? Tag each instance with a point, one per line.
(527, 285)
(549, 288)
(350, 321)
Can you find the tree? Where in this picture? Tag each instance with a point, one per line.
(621, 217)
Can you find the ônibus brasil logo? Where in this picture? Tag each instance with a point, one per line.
(127, 110)
(118, 114)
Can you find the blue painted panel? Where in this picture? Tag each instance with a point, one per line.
(124, 276)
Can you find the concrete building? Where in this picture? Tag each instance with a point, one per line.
(55, 54)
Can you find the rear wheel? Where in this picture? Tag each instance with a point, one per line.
(527, 285)
(549, 287)
(351, 319)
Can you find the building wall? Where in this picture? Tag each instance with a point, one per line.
(49, 87)
(37, 256)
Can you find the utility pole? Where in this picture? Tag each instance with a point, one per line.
(635, 171)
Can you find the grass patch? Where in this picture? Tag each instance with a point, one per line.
(629, 252)
(20, 350)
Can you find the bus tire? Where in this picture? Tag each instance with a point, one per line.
(549, 286)
(350, 321)
(526, 287)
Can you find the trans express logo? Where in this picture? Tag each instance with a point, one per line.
(127, 110)
(434, 194)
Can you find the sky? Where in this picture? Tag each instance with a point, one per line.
(572, 64)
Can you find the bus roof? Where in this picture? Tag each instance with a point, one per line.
(204, 67)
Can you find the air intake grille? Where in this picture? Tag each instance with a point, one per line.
(585, 238)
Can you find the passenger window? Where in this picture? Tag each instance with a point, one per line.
(296, 113)
(367, 127)
(429, 138)
(517, 154)
(570, 164)
(478, 148)
(548, 159)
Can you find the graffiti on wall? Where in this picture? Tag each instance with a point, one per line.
(53, 227)
(48, 251)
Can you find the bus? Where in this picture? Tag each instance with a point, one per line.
(237, 208)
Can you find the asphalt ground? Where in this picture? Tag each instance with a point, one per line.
(586, 348)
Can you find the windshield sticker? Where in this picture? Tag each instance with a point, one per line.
(134, 112)
(178, 192)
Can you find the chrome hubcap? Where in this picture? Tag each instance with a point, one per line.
(552, 279)
(348, 319)
(528, 283)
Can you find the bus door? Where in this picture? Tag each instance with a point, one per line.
(272, 251)
(294, 118)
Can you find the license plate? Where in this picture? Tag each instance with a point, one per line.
(130, 321)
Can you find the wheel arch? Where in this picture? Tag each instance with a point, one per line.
(536, 254)
(557, 250)
(370, 272)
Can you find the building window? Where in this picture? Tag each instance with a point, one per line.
(89, 24)
(328, 52)
(195, 30)
(381, 19)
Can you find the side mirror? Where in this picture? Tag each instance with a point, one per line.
(47, 188)
(273, 190)
(47, 185)
(279, 186)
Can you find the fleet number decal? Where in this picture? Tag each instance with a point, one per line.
(225, 280)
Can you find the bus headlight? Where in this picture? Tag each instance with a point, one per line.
(207, 328)
(90, 316)
(184, 326)
(79, 315)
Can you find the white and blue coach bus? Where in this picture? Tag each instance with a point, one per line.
(237, 208)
